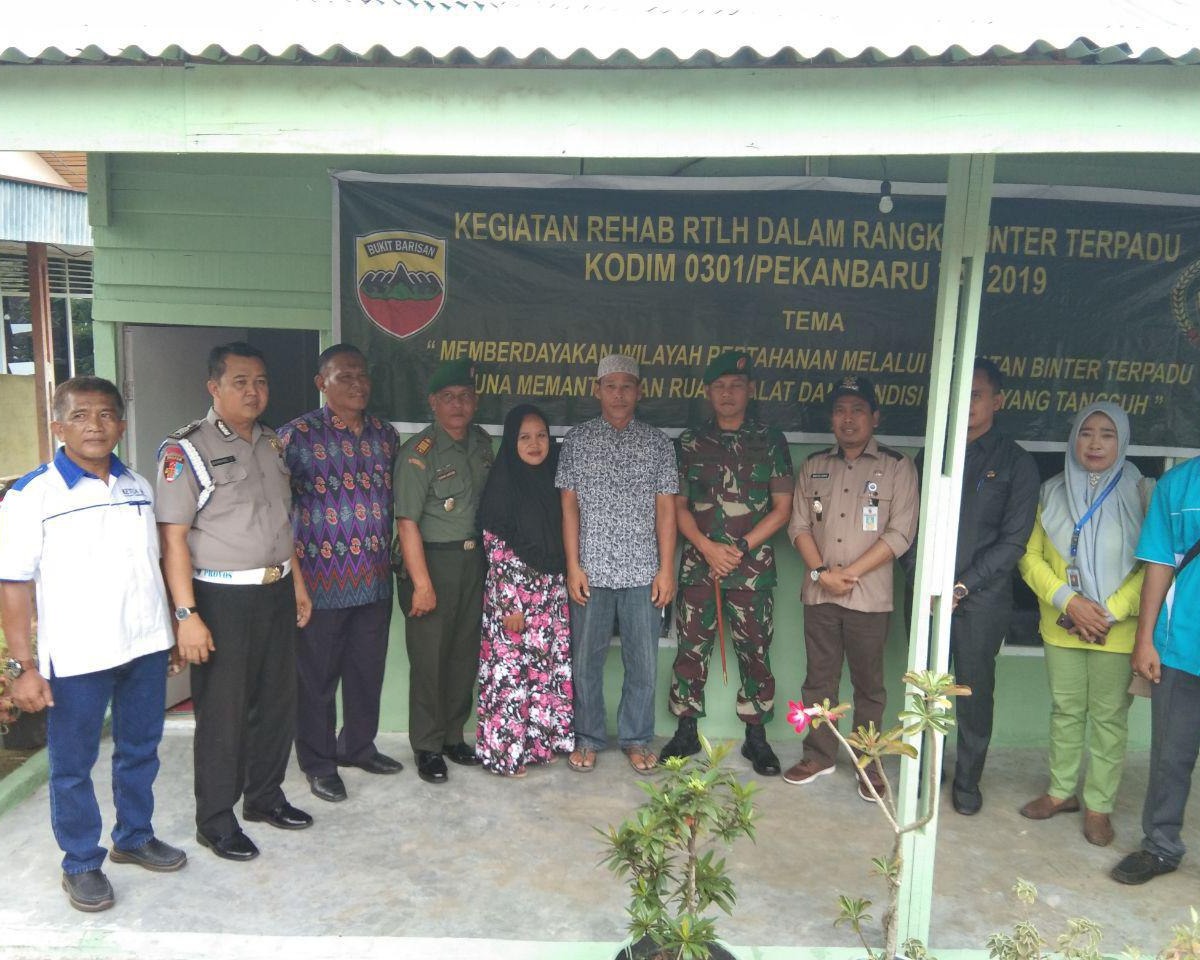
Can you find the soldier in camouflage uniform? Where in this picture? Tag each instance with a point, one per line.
(735, 490)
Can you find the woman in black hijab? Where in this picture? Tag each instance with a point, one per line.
(525, 692)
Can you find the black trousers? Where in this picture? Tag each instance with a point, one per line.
(245, 700)
(348, 645)
(443, 648)
(975, 639)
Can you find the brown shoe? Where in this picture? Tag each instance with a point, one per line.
(871, 774)
(806, 771)
(1097, 828)
(1046, 806)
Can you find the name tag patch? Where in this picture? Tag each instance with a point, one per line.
(819, 476)
(223, 460)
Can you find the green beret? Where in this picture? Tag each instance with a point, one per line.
(733, 361)
(453, 373)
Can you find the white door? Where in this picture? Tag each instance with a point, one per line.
(166, 369)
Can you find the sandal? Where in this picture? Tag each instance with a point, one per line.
(642, 760)
(582, 760)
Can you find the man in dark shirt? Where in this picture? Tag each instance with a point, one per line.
(999, 501)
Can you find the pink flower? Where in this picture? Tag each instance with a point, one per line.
(800, 716)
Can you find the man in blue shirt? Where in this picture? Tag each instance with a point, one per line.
(1167, 653)
(81, 530)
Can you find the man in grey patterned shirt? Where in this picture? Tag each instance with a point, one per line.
(618, 480)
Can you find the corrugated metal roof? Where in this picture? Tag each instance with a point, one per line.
(30, 213)
(592, 33)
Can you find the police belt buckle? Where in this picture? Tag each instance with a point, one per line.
(258, 575)
(469, 544)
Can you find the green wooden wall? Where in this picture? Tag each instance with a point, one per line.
(229, 240)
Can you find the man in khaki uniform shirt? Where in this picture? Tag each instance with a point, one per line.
(440, 475)
(223, 500)
(854, 511)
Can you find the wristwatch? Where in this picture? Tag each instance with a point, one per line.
(182, 613)
(960, 591)
(742, 545)
(15, 667)
(815, 573)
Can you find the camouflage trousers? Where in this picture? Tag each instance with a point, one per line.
(749, 627)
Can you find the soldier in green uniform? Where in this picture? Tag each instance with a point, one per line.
(440, 474)
(735, 490)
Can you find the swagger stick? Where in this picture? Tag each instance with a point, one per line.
(721, 629)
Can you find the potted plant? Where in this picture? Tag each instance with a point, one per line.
(928, 716)
(1081, 939)
(666, 851)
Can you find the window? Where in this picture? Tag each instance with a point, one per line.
(70, 308)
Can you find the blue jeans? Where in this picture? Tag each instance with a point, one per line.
(74, 724)
(591, 634)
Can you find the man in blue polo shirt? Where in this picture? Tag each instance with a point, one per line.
(1167, 653)
(81, 530)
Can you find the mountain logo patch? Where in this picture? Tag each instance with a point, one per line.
(401, 280)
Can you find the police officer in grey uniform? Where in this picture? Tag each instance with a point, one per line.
(223, 503)
(440, 475)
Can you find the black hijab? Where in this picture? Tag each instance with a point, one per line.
(520, 503)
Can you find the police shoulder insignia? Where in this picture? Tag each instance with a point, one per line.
(424, 446)
(185, 431)
(172, 462)
(276, 444)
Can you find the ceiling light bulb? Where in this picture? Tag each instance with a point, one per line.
(885, 197)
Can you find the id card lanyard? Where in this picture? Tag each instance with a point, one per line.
(1074, 579)
(870, 514)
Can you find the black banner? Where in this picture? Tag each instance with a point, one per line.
(1083, 299)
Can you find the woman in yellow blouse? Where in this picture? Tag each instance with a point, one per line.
(1080, 563)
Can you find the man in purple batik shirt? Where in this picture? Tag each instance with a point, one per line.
(341, 460)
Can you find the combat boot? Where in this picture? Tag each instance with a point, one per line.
(759, 752)
(685, 743)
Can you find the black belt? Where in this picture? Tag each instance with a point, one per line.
(459, 545)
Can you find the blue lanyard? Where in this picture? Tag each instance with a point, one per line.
(1092, 509)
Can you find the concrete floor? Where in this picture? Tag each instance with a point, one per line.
(488, 867)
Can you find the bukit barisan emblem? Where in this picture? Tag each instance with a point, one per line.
(401, 280)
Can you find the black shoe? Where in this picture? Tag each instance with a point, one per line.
(284, 816)
(153, 855)
(966, 802)
(759, 752)
(377, 763)
(461, 754)
(236, 846)
(89, 891)
(328, 788)
(1140, 867)
(684, 743)
(431, 767)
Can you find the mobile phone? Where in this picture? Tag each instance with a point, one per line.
(1065, 622)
